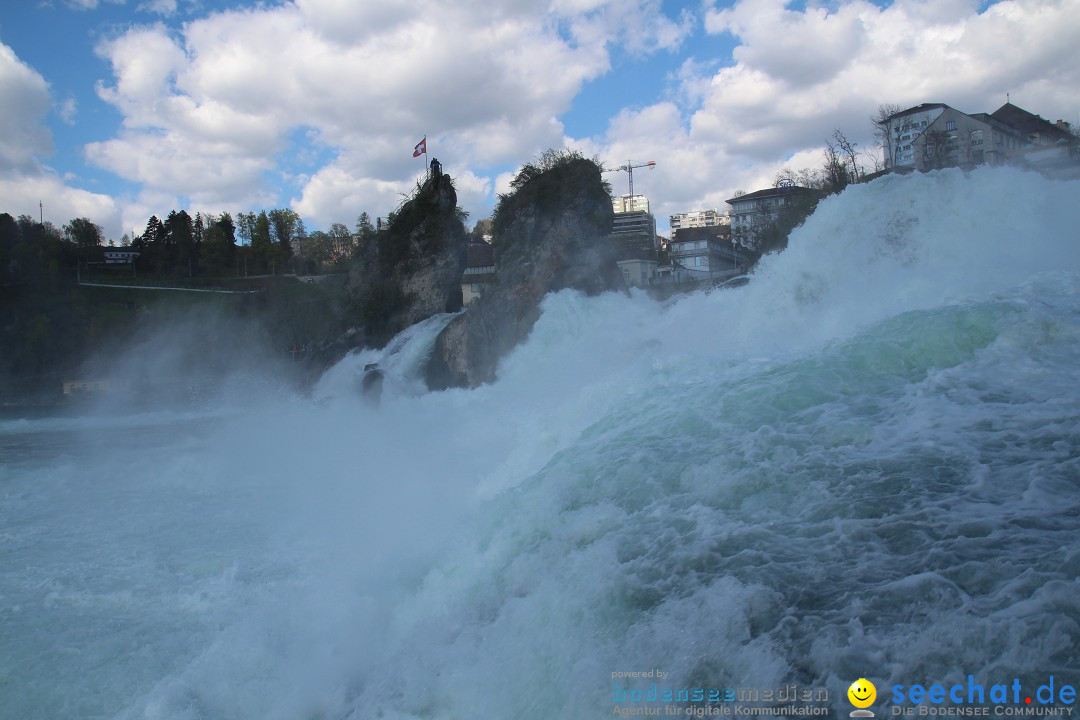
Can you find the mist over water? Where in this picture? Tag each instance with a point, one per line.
(866, 463)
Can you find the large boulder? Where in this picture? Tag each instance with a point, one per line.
(551, 234)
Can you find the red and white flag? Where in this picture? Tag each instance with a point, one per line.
(421, 148)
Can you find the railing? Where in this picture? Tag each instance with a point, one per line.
(722, 252)
(159, 284)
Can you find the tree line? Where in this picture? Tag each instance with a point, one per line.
(206, 245)
(40, 252)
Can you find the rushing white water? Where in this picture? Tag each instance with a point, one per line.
(866, 463)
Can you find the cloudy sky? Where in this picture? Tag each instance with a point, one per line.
(119, 109)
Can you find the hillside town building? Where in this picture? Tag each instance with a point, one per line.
(630, 203)
(751, 212)
(696, 219)
(702, 253)
(933, 136)
(634, 227)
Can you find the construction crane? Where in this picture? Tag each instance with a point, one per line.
(628, 168)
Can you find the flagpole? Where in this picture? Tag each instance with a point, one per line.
(427, 158)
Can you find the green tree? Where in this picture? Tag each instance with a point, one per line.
(285, 224)
(151, 246)
(245, 226)
(365, 229)
(197, 229)
(42, 254)
(181, 233)
(9, 240)
(260, 241)
(219, 245)
(320, 246)
(84, 234)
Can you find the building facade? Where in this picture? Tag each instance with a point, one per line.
(479, 271)
(120, 255)
(638, 272)
(704, 254)
(630, 203)
(933, 136)
(955, 138)
(901, 131)
(636, 231)
(1039, 140)
(696, 219)
(752, 212)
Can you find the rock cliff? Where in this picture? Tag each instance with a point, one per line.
(552, 233)
(413, 269)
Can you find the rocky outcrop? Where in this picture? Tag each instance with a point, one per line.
(413, 269)
(552, 233)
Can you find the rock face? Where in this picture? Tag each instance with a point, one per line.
(552, 234)
(413, 269)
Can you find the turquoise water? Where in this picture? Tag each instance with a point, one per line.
(866, 463)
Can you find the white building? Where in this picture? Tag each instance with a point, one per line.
(934, 135)
(902, 130)
(122, 255)
(638, 272)
(697, 218)
(630, 203)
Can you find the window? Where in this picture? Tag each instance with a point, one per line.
(950, 125)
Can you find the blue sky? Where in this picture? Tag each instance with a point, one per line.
(119, 109)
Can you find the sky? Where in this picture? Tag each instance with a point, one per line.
(117, 110)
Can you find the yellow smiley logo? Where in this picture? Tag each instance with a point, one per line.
(862, 693)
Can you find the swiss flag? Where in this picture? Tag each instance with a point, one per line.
(421, 148)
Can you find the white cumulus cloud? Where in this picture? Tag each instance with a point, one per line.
(209, 109)
(24, 140)
(24, 102)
